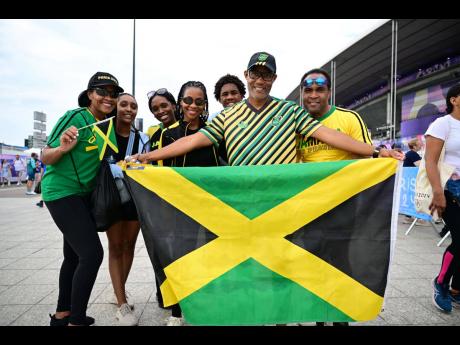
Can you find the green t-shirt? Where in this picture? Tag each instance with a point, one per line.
(75, 173)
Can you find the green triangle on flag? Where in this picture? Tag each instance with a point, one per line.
(251, 294)
(237, 190)
(105, 137)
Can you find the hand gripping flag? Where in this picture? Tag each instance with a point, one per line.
(254, 245)
(106, 140)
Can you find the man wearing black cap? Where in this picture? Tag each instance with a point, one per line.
(262, 129)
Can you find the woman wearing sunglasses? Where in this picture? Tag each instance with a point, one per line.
(72, 164)
(192, 111)
(163, 106)
(122, 235)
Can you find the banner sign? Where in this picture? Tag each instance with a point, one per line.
(407, 193)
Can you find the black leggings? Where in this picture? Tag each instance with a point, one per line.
(450, 268)
(83, 254)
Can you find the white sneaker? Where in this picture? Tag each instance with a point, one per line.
(174, 321)
(125, 316)
(113, 300)
(30, 193)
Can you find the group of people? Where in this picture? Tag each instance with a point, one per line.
(256, 130)
(32, 169)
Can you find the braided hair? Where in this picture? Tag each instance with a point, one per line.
(200, 85)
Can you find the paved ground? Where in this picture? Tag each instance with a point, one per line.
(31, 255)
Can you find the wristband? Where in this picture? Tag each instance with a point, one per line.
(376, 152)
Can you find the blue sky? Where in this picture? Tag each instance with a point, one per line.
(45, 64)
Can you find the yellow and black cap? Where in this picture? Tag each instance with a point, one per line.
(98, 79)
(263, 59)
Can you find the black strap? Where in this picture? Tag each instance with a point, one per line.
(76, 173)
(73, 162)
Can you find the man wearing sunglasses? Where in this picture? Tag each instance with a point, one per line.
(315, 93)
(262, 129)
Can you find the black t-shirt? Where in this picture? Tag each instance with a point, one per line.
(411, 157)
(122, 143)
(202, 157)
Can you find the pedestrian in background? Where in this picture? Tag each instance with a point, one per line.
(445, 132)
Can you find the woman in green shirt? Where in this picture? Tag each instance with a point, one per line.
(72, 160)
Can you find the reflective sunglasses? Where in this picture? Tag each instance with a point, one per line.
(198, 101)
(267, 76)
(320, 81)
(104, 92)
(160, 92)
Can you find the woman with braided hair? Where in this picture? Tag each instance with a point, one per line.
(192, 113)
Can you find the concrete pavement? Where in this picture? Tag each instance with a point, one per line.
(31, 255)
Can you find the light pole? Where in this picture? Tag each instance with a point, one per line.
(134, 58)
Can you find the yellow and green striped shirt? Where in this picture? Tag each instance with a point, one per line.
(260, 137)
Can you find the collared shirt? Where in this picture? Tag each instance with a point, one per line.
(75, 173)
(343, 120)
(261, 136)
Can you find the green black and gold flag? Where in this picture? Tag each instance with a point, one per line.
(255, 245)
(105, 137)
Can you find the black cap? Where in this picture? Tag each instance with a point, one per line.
(263, 59)
(99, 79)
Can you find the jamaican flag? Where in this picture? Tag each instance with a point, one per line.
(254, 245)
(106, 140)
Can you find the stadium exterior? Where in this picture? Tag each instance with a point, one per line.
(397, 76)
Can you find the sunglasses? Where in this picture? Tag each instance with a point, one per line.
(160, 92)
(267, 76)
(104, 92)
(320, 81)
(198, 101)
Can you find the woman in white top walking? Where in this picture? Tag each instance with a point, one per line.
(446, 131)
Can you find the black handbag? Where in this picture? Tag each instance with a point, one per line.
(105, 199)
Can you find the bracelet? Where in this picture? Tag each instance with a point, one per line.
(376, 152)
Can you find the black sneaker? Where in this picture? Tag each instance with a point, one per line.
(40, 203)
(444, 231)
(65, 321)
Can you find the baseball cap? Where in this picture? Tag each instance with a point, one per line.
(263, 59)
(98, 79)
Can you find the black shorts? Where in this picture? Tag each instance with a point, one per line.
(129, 211)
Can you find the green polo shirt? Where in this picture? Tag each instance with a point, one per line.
(75, 173)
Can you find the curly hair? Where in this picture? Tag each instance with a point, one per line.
(229, 79)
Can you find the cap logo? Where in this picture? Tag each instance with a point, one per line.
(262, 57)
(106, 77)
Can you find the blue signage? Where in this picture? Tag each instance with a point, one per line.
(407, 192)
